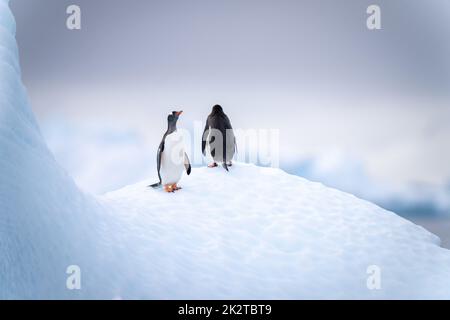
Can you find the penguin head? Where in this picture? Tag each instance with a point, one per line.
(217, 109)
(173, 118)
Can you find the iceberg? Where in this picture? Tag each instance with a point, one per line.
(252, 233)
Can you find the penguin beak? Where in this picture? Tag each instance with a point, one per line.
(179, 113)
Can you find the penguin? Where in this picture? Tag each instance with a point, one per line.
(172, 159)
(218, 127)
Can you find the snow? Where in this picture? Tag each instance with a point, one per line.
(261, 233)
(250, 233)
(46, 223)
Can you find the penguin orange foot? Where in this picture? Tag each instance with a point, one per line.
(170, 168)
(168, 188)
(212, 165)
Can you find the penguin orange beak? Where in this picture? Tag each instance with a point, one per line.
(178, 113)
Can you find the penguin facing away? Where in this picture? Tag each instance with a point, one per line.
(219, 136)
(172, 159)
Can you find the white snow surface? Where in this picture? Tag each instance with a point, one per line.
(251, 233)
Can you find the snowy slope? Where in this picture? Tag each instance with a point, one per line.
(46, 223)
(250, 233)
(261, 233)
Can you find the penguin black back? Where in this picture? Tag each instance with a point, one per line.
(221, 124)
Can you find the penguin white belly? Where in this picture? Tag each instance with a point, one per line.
(172, 159)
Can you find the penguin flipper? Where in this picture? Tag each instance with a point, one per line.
(187, 164)
(205, 137)
(225, 166)
(158, 158)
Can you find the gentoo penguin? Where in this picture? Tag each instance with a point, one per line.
(172, 159)
(220, 137)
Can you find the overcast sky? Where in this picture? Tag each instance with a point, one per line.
(346, 98)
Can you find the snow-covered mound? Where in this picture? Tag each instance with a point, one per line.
(262, 233)
(250, 233)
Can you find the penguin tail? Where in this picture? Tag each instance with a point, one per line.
(155, 185)
(225, 166)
